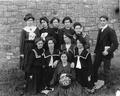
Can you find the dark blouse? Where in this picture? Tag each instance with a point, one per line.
(85, 60)
(36, 59)
(47, 56)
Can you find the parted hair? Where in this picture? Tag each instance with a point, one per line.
(28, 16)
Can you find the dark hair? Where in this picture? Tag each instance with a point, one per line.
(28, 16)
(64, 52)
(54, 18)
(77, 24)
(104, 16)
(38, 39)
(68, 35)
(50, 38)
(82, 41)
(45, 19)
(67, 18)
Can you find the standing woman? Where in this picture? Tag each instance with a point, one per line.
(51, 58)
(46, 30)
(56, 31)
(67, 22)
(28, 35)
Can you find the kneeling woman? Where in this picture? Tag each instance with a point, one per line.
(64, 79)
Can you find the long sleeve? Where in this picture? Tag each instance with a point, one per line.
(22, 42)
(114, 41)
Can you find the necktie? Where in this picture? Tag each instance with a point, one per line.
(78, 63)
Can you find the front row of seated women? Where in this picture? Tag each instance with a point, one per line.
(67, 69)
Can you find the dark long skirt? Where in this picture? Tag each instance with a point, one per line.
(35, 84)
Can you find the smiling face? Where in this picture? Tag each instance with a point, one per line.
(39, 44)
(78, 29)
(30, 22)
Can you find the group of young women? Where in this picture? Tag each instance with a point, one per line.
(54, 57)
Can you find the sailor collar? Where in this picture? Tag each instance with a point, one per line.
(83, 55)
(47, 54)
(36, 54)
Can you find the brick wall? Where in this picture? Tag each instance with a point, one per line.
(12, 12)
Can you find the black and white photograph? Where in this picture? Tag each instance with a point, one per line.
(59, 48)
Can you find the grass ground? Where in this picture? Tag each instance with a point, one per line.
(8, 87)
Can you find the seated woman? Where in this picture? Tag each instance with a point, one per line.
(64, 79)
(68, 46)
(35, 67)
(51, 57)
(83, 64)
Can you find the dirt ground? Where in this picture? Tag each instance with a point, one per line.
(8, 87)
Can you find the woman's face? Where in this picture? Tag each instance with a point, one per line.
(44, 24)
(50, 44)
(66, 39)
(67, 23)
(55, 23)
(78, 29)
(63, 57)
(30, 22)
(39, 44)
(79, 44)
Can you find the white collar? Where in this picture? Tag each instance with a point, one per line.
(30, 28)
(103, 28)
(68, 46)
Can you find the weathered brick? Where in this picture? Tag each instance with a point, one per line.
(12, 12)
(63, 6)
(12, 8)
(31, 4)
(82, 19)
(6, 2)
(90, 1)
(4, 29)
(12, 20)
